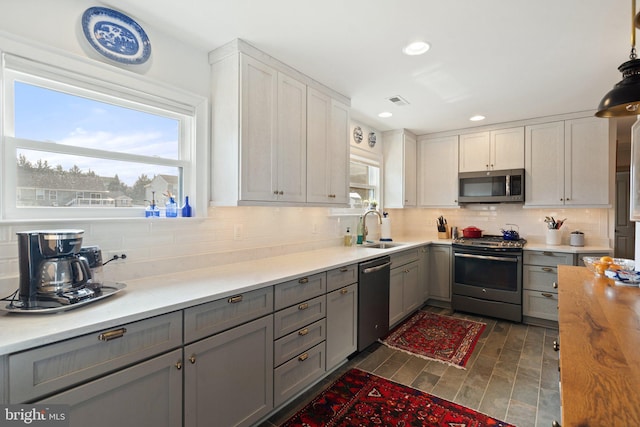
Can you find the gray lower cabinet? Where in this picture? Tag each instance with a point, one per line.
(228, 377)
(440, 273)
(405, 291)
(46, 370)
(423, 275)
(342, 324)
(148, 394)
(4, 385)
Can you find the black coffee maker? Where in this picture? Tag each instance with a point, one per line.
(51, 268)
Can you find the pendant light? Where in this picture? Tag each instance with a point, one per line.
(624, 98)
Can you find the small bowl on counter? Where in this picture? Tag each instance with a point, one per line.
(599, 265)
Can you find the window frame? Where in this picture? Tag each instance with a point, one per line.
(115, 87)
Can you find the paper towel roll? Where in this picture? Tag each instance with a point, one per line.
(385, 229)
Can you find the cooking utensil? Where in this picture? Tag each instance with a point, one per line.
(471, 232)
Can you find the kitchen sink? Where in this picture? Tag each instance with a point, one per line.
(381, 245)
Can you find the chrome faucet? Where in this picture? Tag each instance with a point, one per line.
(364, 223)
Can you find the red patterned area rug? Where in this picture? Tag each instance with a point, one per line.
(362, 399)
(436, 337)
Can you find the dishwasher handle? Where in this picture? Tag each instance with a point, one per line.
(376, 268)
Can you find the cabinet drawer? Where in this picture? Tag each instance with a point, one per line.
(540, 278)
(552, 259)
(580, 258)
(298, 290)
(297, 317)
(299, 372)
(543, 305)
(343, 276)
(404, 257)
(118, 399)
(47, 369)
(216, 316)
(297, 342)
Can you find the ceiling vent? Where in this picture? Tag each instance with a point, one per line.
(398, 101)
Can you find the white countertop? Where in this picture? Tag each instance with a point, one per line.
(158, 295)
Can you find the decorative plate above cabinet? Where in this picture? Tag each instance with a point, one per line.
(372, 139)
(115, 35)
(357, 134)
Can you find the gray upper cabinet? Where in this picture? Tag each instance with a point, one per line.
(400, 167)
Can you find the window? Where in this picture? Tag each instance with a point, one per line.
(364, 183)
(76, 146)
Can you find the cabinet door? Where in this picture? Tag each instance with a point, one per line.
(438, 172)
(148, 394)
(440, 273)
(423, 276)
(474, 152)
(229, 377)
(258, 130)
(327, 149)
(338, 160)
(507, 148)
(410, 168)
(291, 155)
(587, 166)
(342, 322)
(544, 160)
(400, 165)
(396, 289)
(412, 292)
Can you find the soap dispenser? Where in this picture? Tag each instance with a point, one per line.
(348, 240)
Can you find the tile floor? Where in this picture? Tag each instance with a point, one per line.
(511, 375)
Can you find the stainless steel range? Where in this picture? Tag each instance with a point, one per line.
(487, 276)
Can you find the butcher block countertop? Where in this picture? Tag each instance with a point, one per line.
(599, 336)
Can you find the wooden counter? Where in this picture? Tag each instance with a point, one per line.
(599, 340)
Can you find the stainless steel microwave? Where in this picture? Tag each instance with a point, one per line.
(501, 186)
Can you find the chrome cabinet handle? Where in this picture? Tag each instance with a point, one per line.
(547, 295)
(547, 269)
(192, 359)
(179, 364)
(556, 346)
(112, 335)
(555, 285)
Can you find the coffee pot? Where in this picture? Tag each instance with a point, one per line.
(51, 267)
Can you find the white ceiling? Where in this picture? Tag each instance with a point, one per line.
(505, 59)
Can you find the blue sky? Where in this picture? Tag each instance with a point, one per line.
(46, 115)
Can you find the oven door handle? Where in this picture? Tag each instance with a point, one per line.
(487, 257)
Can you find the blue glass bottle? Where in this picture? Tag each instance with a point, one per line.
(186, 208)
(171, 208)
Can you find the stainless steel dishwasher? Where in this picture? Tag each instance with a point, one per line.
(373, 300)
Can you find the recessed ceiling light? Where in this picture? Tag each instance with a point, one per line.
(477, 118)
(416, 48)
(385, 115)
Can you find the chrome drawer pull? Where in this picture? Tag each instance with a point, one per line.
(303, 280)
(303, 306)
(303, 332)
(344, 291)
(112, 335)
(303, 357)
(235, 299)
(556, 346)
(547, 269)
(555, 285)
(544, 294)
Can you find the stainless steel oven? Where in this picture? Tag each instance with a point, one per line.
(487, 277)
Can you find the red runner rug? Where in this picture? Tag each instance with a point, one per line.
(436, 337)
(362, 399)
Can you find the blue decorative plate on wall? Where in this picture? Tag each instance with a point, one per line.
(115, 35)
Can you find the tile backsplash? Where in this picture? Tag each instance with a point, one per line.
(227, 235)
